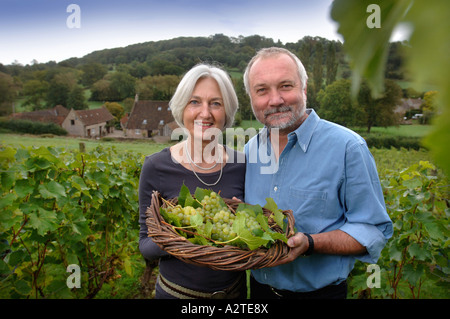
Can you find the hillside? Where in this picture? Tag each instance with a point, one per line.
(152, 69)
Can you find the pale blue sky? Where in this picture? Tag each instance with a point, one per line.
(37, 29)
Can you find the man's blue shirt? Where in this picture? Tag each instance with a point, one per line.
(327, 176)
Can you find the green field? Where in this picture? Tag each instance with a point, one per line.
(385, 158)
(401, 130)
(414, 130)
(145, 147)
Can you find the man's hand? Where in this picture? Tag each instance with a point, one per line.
(335, 242)
(299, 245)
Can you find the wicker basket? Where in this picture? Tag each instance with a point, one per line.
(218, 258)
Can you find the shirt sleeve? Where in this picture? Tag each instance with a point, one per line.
(148, 182)
(366, 217)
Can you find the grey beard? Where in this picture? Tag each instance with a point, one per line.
(295, 116)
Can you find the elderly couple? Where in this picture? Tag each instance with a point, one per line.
(326, 175)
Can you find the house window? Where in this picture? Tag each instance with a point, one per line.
(72, 122)
(144, 122)
(161, 122)
(137, 132)
(159, 108)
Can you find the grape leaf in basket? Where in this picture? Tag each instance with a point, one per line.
(200, 193)
(252, 210)
(277, 215)
(273, 234)
(185, 198)
(196, 220)
(203, 231)
(252, 241)
(170, 218)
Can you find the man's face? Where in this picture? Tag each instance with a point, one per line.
(278, 99)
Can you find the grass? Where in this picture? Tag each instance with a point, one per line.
(245, 124)
(415, 130)
(145, 147)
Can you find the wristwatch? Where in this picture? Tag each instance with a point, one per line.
(310, 245)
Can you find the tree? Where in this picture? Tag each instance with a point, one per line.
(429, 107)
(245, 108)
(100, 90)
(317, 71)
(61, 85)
(92, 72)
(76, 99)
(114, 87)
(128, 104)
(427, 61)
(57, 94)
(8, 93)
(336, 104)
(116, 110)
(160, 87)
(122, 86)
(35, 92)
(429, 101)
(332, 65)
(305, 53)
(380, 111)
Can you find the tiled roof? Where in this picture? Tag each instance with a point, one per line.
(149, 115)
(95, 116)
(55, 115)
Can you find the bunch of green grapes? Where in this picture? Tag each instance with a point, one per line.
(210, 205)
(221, 218)
(252, 223)
(206, 219)
(184, 213)
(222, 224)
(211, 210)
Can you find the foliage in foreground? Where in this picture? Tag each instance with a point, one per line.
(417, 254)
(60, 208)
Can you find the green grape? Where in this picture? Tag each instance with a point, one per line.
(221, 221)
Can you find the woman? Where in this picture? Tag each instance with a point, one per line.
(204, 104)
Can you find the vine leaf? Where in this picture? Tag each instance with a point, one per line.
(252, 241)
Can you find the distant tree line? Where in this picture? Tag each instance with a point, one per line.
(153, 70)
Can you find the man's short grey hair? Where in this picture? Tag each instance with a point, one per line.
(187, 84)
(271, 52)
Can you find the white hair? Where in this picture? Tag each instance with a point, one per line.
(271, 52)
(187, 84)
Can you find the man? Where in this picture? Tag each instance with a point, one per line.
(324, 173)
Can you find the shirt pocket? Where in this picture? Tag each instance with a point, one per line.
(308, 207)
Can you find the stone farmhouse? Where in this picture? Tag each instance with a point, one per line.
(83, 123)
(55, 115)
(148, 119)
(88, 123)
(407, 105)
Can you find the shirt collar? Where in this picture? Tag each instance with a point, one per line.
(302, 134)
(305, 131)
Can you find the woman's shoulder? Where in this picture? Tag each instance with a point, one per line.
(157, 158)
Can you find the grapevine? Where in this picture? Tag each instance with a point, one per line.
(206, 219)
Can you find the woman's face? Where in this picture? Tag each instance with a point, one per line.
(204, 115)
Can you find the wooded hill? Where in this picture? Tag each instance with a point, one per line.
(153, 70)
